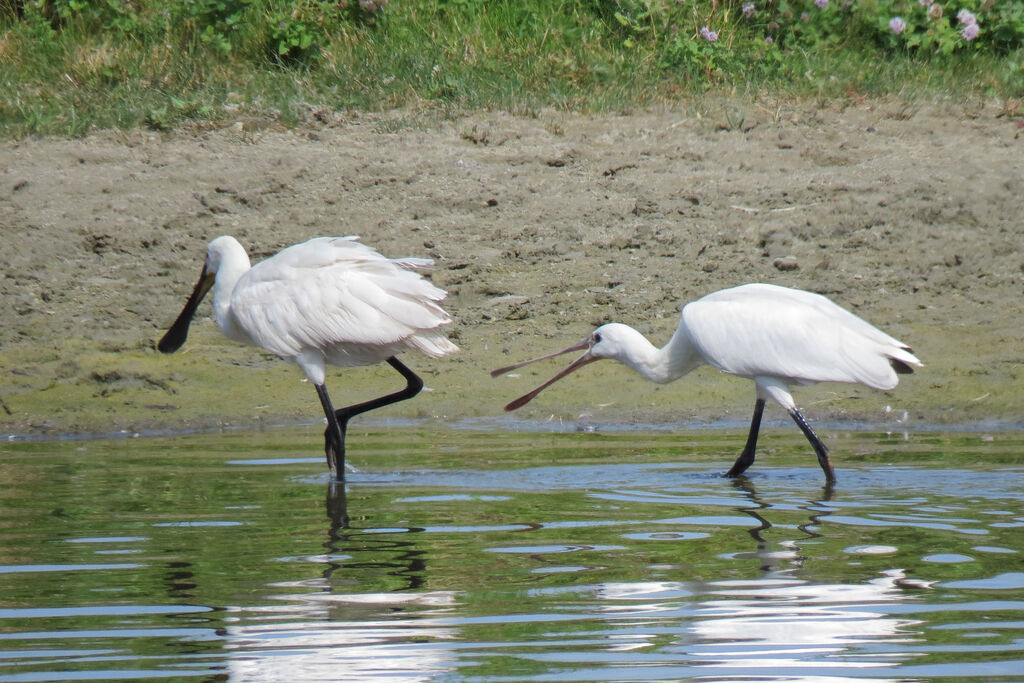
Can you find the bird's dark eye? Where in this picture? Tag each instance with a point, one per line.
(597, 337)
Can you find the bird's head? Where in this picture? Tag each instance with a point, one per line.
(607, 341)
(218, 252)
(615, 341)
(221, 250)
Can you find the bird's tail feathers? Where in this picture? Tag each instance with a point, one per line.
(903, 361)
(432, 343)
(413, 262)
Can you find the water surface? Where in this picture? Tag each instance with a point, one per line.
(497, 556)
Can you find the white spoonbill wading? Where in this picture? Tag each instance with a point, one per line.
(327, 301)
(775, 336)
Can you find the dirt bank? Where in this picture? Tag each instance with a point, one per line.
(541, 227)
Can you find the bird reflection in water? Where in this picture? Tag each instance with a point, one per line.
(367, 550)
(771, 560)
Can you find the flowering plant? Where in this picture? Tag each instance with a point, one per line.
(931, 26)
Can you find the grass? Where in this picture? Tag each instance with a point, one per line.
(69, 67)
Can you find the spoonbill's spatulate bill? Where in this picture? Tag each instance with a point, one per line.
(775, 336)
(328, 301)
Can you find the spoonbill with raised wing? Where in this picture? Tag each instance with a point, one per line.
(327, 301)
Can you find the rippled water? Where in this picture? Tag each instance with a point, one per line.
(493, 556)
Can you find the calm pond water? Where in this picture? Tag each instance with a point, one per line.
(462, 555)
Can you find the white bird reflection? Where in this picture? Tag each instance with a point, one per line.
(319, 633)
(801, 623)
(774, 625)
(783, 623)
(343, 637)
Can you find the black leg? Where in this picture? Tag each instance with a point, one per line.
(746, 458)
(336, 452)
(817, 445)
(334, 435)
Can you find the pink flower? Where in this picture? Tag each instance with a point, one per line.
(821, 4)
(710, 36)
(896, 25)
(966, 18)
(970, 32)
(748, 10)
(935, 10)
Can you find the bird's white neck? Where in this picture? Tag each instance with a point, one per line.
(232, 265)
(667, 364)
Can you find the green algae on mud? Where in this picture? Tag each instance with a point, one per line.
(442, 447)
(74, 388)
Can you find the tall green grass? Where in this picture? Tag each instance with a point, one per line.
(69, 66)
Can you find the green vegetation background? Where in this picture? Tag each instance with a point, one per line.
(68, 66)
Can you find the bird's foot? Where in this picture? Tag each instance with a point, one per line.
(745, 460)
(826, 466)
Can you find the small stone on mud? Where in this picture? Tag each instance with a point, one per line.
(786, 263)
(100, 244)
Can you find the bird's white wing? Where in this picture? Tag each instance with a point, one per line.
(766, 330)
(330, 292)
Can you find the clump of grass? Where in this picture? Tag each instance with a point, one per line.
(68, 66)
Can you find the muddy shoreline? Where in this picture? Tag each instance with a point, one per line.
(541, 227)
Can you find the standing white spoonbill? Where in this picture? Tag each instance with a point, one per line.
(775, 336)
(328, 301)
